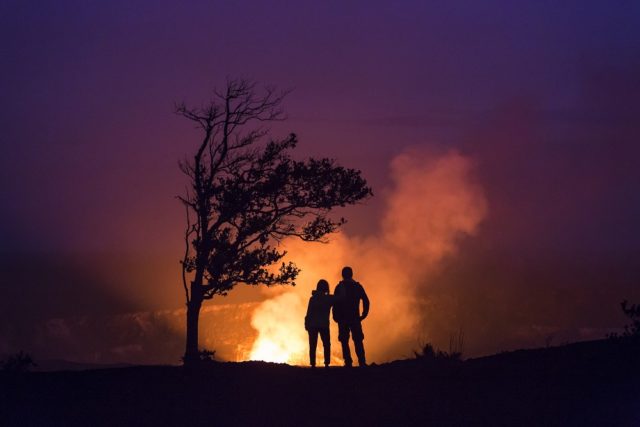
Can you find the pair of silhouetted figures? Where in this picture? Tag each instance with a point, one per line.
(346, 312)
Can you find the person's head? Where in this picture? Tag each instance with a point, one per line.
(347, 273)
(323, 286)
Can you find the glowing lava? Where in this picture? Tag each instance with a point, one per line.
(282, 337)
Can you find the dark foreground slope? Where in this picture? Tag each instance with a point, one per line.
(596, 383)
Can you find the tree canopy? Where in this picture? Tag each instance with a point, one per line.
(246, 193)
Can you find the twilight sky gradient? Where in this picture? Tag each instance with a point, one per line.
(544, 98)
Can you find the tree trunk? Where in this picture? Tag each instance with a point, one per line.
(191, 354)
(192, 350)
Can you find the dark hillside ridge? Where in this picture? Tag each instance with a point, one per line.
(590, 383)
(53, 365)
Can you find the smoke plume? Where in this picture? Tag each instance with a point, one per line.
(432, 204)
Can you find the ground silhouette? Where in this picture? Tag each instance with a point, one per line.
(590, 383)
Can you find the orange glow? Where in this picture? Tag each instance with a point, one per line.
(432, 205)
(282, 337)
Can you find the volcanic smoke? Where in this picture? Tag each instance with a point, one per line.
(432, 204)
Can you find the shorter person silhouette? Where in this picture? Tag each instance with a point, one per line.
(317, 322)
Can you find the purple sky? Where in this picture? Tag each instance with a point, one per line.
(545, 97)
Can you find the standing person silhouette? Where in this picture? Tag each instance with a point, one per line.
(346, 312)
(317, 321)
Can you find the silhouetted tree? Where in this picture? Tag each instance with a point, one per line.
(631, 330)
(632, 311)
(19, 362)
(246, 193)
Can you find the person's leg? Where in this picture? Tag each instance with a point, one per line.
(358, 337)
(326, 345)
(359, 346)
(343, 337)
(313, 343)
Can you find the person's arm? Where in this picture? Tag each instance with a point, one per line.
(331, 300)
(365, 304)
(306, 317)
(337, 300)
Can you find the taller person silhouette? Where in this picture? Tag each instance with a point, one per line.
(346, 312)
